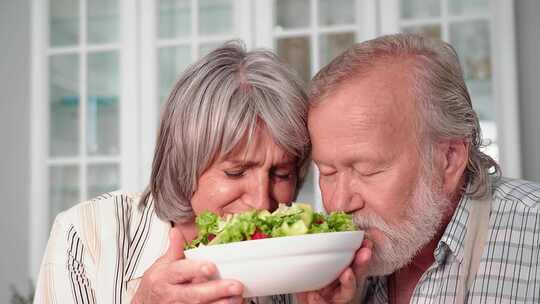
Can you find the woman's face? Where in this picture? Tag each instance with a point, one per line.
(258, 176)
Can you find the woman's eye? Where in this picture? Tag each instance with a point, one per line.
(282, 174)
(235, 173)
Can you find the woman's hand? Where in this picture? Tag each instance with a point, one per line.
(346, 287)
(173, 279)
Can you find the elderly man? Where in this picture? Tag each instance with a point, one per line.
(398, 145)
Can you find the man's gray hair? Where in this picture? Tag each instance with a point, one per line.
(217, 102)
(445, 106)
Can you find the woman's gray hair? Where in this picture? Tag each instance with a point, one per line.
(217, 102)
(445, 106)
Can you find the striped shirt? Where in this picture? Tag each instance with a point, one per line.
(99, 250)
(509, 270)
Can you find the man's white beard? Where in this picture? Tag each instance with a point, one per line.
(403, 240)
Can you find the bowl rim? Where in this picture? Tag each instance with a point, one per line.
(246, 246)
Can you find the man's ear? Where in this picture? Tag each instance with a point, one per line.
(455, 156)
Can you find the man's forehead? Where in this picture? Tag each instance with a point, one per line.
(369, 100)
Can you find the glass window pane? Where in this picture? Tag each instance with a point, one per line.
(296, 52)
(206, 48)
(292, 14)
(102, 178)
(215, 16)
(102, 21)
(174, 18)
(334, 12)
(467, 7)
(64, 105)
(102, 119)
(331, 45)
(471, 41)
(431, 31)
(172, 61)
(63, 188)
(420, 8)
(489, 132)
(307, 192)
(63, 22)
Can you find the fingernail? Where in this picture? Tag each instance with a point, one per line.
(315, 297)
(235, 289)
(207, 270)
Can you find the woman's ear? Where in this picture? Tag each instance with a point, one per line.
(455, 156)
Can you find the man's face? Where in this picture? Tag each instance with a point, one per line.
(366, 148)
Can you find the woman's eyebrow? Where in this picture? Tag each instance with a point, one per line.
(241, 162)
(251, 163)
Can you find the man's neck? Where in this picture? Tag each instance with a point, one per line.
(425, 258)
(403, 281)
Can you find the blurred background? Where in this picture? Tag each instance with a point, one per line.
(82, 82)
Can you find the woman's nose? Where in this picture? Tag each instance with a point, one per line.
(259, 193)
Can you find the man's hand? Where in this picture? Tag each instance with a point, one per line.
(173, 279)
(346, 287)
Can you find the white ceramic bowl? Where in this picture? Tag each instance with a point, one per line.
(283, 265)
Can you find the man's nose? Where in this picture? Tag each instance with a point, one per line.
(259, 193)
(345, 198)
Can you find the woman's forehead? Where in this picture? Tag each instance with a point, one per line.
(255, 147)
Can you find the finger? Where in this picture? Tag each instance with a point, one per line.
(301, 297)
(208, 292)
(362, 258)
(328, 291)
(183, 271)
(199, 279)
(315, 298)
(367, 243)
(175, 251)
(347, 288)
(231, 300)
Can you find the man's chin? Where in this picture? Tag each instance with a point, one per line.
(382, 264)
(380, 268)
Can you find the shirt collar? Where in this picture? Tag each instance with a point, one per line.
(453, 238)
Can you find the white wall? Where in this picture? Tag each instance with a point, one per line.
(528, 58)
(14, 144)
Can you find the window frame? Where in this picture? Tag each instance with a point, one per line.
(149, 75)
(503, 55)
(128, 115)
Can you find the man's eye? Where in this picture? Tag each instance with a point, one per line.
(370, 174)
(235, 173)
(327, 173)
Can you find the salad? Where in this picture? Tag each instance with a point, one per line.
(297, 219)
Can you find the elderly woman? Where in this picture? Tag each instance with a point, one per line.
(233, 137)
